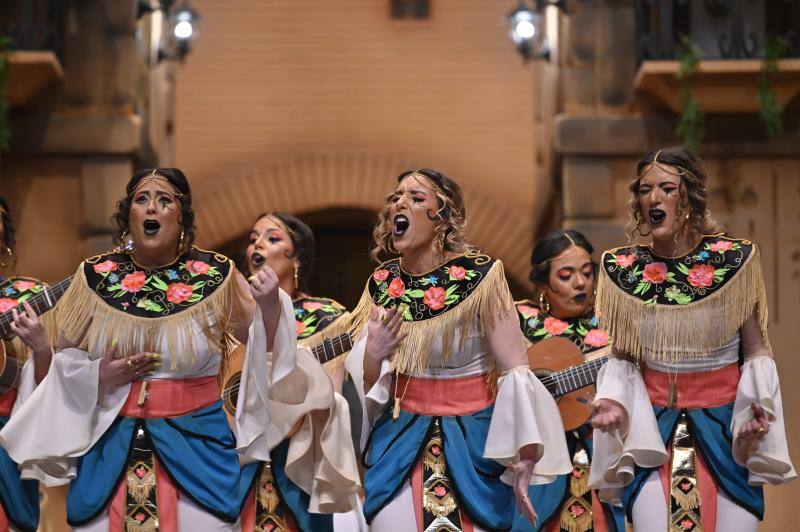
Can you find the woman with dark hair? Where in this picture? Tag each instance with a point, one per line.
(29, 347)
(563, 273)
(688, 413)
(285, 244)
(131, 412)
(442, 450)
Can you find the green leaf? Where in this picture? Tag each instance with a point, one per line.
(309, 320)
(198, 285)
(23, 298)
(682, 268)
(540, 332)
(642, 287)
(449, 300)
(450, 290)
(194, 298)
(407, 314)
(582, 330)
(416, 293)
(157, 282)
(114, 287)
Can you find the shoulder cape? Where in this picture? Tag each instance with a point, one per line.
(697, 301)
(13, 292)
(467, 291)
(583, 331)
(111, 298)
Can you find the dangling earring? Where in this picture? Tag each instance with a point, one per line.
(8, 254)
(296, 277)
(180, 241)
(544, 303)
(438, 244)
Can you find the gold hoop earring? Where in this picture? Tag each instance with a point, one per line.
(8, 254)
(544, 303)
(296, 277)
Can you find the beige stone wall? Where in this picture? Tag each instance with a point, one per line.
(271, 81)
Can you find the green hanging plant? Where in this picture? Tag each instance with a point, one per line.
(771, 108)
(5, 130)
(690, 126)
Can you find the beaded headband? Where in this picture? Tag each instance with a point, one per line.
(681, 171)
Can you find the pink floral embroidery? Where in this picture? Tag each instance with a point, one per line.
(312, 305)
(624, 261)
(655, 272)
(107, 266)
(577, 510)
(555, 326)
(440, 491)
(197, 266)
(133, 282)
(721, 246)
(396, 288)
(7, 304)
(527, 311)
(701, 275)
(457, 272)
(380, 275)
(434, 297)
(299, 327)
(23, 286)
(687, 524)
(596, 338)
(179, 292)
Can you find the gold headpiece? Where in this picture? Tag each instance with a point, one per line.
(571, 241)
(156, 177)
(680, 170)
(279, 222)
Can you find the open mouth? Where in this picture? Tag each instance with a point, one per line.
(401, 224)
(657, 216)
(580, 298)
(151, 227)
(257, 259)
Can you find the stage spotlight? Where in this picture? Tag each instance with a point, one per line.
(184, 21)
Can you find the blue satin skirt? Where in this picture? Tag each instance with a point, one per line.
(20, 498)
(395, 447)
(711, 430)
(197, 451)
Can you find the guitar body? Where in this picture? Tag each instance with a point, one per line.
(555, 354)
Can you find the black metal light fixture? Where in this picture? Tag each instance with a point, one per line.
(184, 21)
(526, 27)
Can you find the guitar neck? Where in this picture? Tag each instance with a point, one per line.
(331, 348)
(41, 303)
(568, 380)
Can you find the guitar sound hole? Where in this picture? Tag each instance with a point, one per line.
(231, 393)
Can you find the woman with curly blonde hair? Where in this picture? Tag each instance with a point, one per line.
(688, 413)
(442, 450)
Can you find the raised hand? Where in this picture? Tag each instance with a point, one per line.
(383, 333)
(756, 428)
(264, 289)
(115, 371)
(28, 328)
(607, 415)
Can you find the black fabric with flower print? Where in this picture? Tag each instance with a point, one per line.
(314, 314)
(583, 331)
(156, 292)
(15, 290)
(680, 280)
(430, 294)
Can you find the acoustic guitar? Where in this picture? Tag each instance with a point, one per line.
(41, 303)
(568, 376)
(325, 351)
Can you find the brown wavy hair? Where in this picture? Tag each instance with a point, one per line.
(693, 191)
(451, 228)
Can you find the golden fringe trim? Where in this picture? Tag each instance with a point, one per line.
(675, 332)
(579, 486)
(573, 523)
(490, 300)
(86, 318)
(335, 328)
(687, 501)
(141, 488)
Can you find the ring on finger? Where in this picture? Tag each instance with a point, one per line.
(761, 430)
(129, 363)
(525, 498)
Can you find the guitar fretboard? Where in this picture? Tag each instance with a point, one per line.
(565, 381)
(41, 303)
(330, 348)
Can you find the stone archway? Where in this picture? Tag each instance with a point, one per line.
(315, 182)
